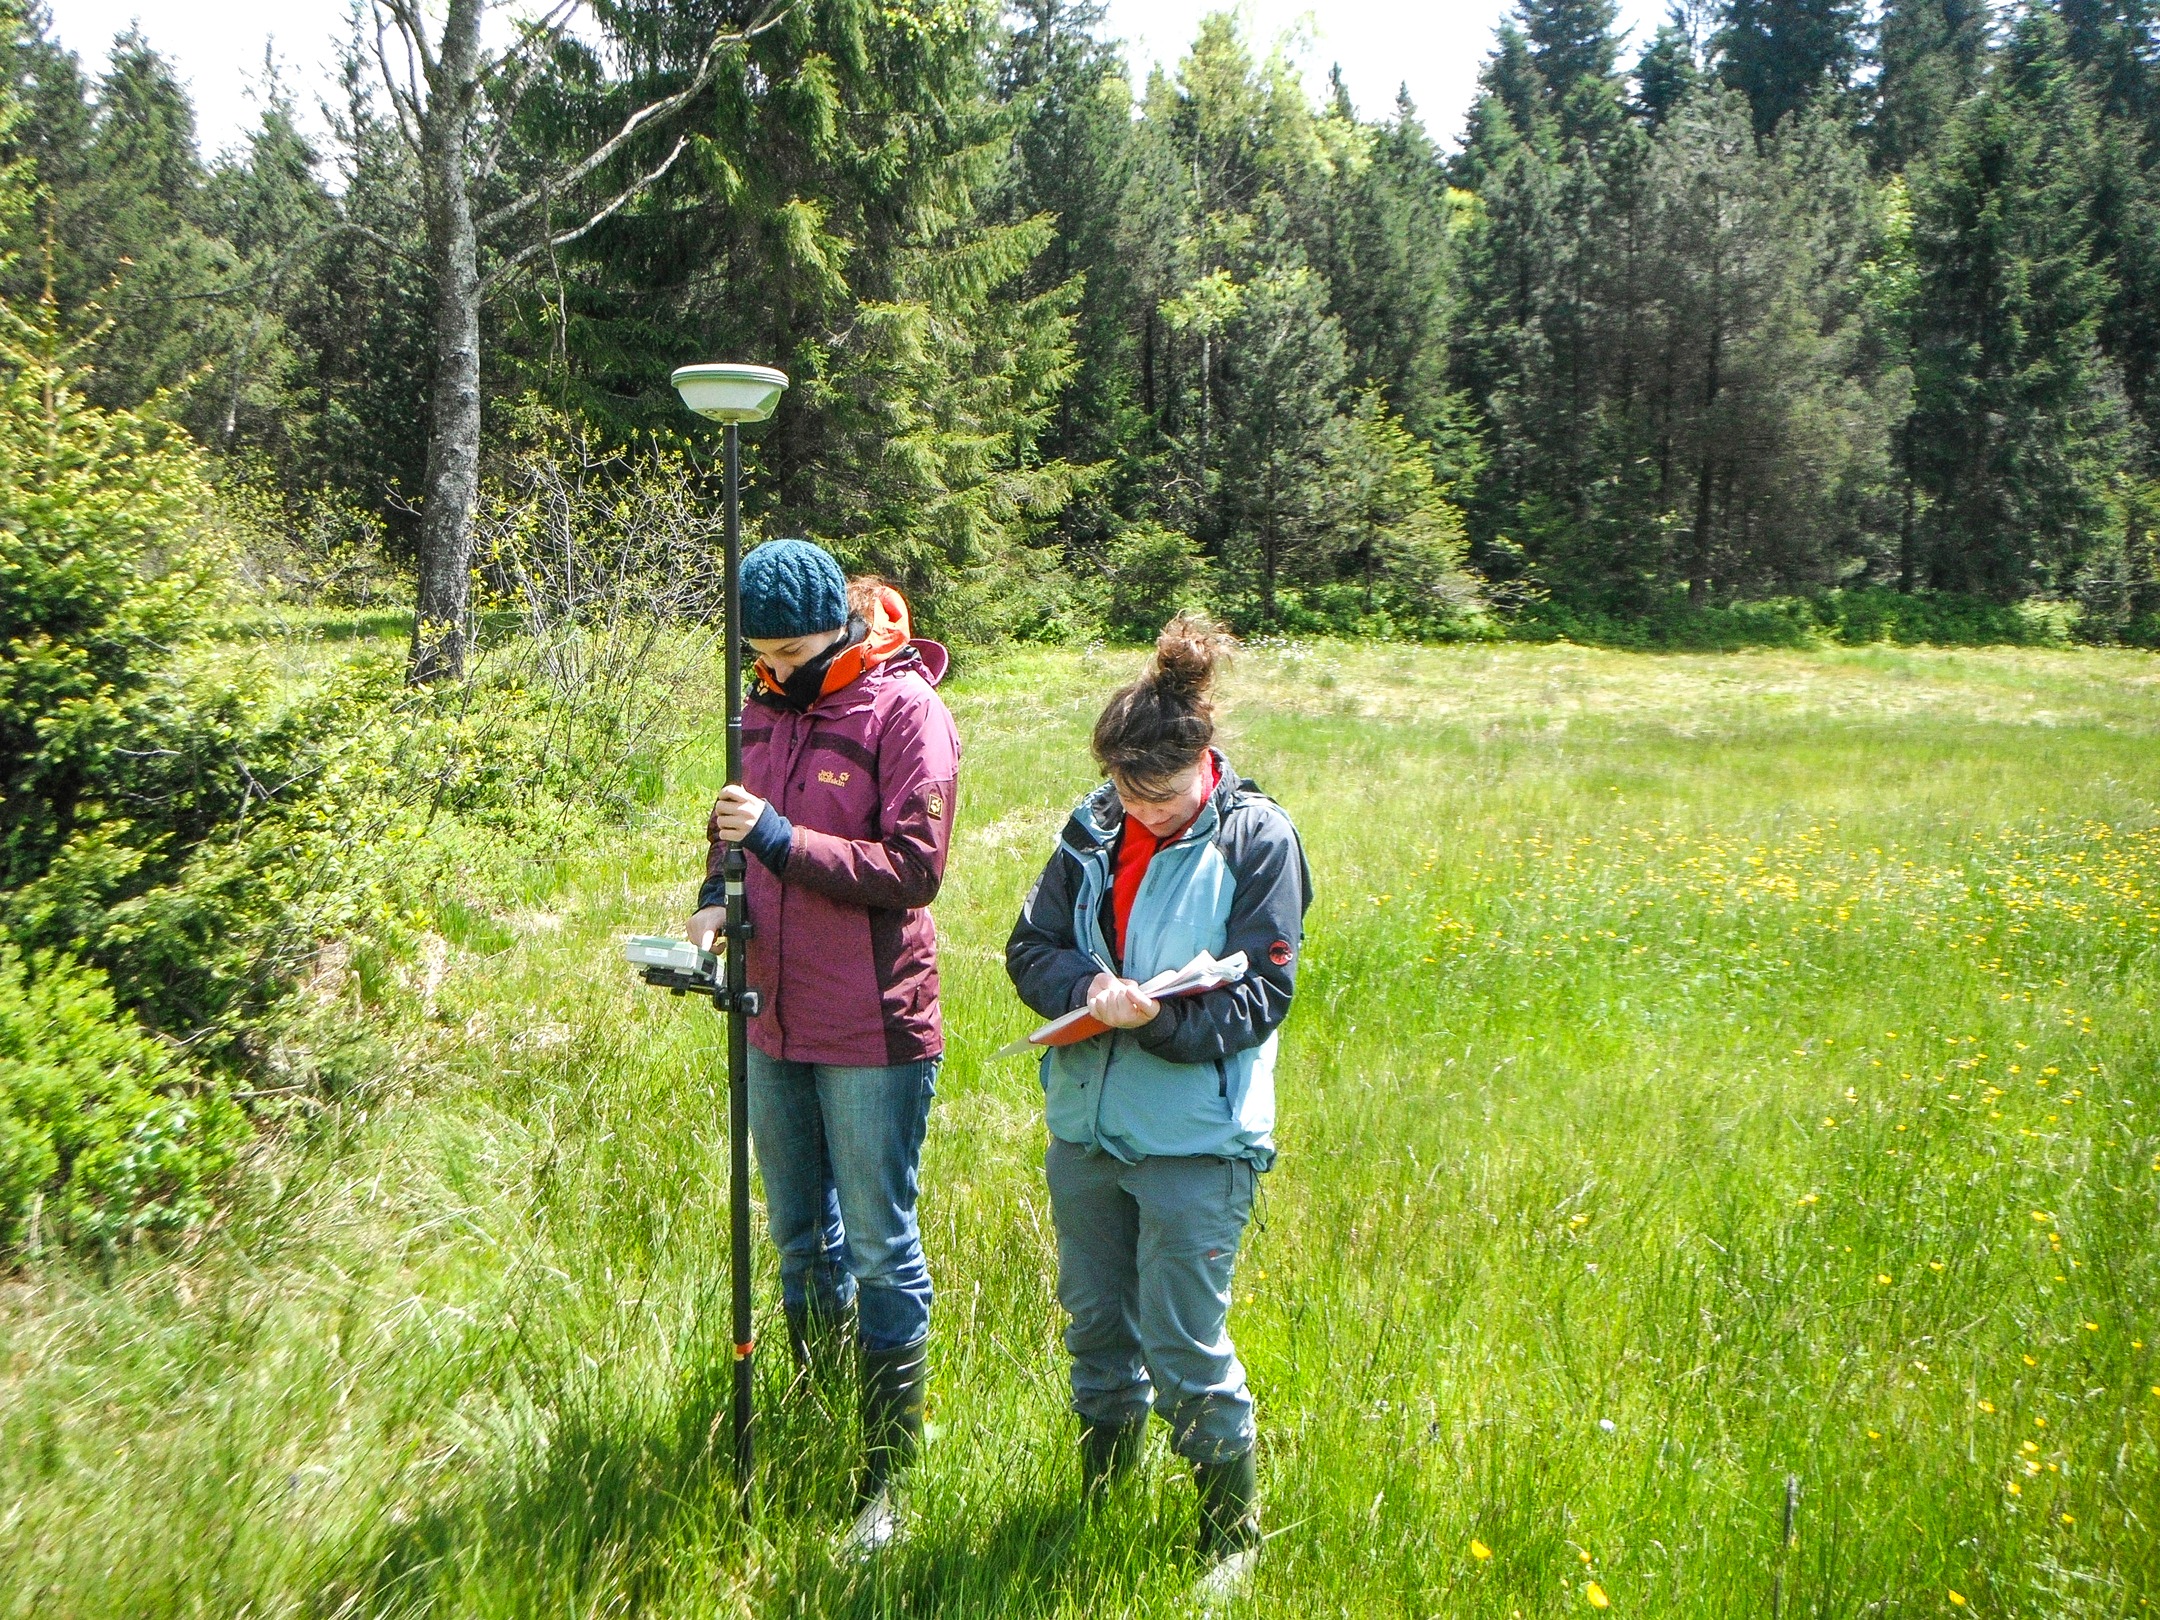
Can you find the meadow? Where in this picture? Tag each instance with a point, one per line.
(1718, 1177)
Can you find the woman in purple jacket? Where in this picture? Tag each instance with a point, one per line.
(849, 766)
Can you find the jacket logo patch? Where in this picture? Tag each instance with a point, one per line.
(936, 806)
(833, 778)
(1279, 953)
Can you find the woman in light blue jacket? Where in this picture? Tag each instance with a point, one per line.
(1159, 1126)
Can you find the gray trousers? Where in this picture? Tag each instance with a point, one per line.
(1145, 1256)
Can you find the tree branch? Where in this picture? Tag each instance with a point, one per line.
(403, 101)
(527, 55)
(769, 18)
(548, 243)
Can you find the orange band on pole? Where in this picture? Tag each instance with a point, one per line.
(742, 1350)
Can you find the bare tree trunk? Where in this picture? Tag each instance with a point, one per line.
(442, 621)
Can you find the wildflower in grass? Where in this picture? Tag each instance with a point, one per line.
(1807, 1198)
(1988, 1407)
(1596, 1594)
(1883, 1277)
(1479, 1550)
(2067, 1519)
(2092, 1327)
(2029, 1445)
(1957, 1597)
(2039, 1423)
(2030, 1362)
(2013, 1487)
(1935, 1265)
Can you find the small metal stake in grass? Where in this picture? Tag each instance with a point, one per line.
(730, 395)
(1792, 1531)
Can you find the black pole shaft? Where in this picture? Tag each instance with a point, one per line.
(737, 975)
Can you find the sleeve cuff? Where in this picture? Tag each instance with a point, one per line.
(712, 892)
(772, 840)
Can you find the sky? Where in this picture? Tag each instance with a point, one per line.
(1435, 46)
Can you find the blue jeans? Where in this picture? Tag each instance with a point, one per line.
(839, 1149)
(1146, 1253)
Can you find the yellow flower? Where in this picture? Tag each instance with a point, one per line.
(1872, 1435)
(1883, 1277)
(2030, 1362)
(1479, 1550)
(1958, 1598)
(1935, 1265)
(1807, 1198)
(1987, 1406)
(1596, 1594)
(2067, 1519)
(2092, 1327)
(2039, 1423)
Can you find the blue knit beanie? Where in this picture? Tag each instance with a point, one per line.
(791, 588)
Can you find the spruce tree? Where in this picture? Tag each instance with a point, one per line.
(1664, 73)
(1570, 39)
(847, 232)
(1282, 420)
(1070, 159)
(2016, 429)
(1929, 55)
(2116, 43)
(1780, 53)
(1574, 48)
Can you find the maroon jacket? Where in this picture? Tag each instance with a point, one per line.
(844, 955)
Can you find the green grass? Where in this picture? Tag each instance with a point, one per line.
(1706, 1071)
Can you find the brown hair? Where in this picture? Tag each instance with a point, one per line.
(1154, 730)
(862, 590)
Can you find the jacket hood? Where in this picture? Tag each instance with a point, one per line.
(888, 642)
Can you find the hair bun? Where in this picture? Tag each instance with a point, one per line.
(1186, 653)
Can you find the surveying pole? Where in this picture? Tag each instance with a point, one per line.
(731, 395)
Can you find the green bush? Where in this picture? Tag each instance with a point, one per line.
(104, 1136)
(142, 797)
(1154, 573)
(1849, 618)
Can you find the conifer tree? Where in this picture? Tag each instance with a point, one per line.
(1929, 55)
(1780, 53)
(1070, 161)
(2016, 424)
(1664, 73)
(1574, 48)
(1570, 39)
(2116, 43)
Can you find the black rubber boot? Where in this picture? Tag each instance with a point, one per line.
(1108, 1452)
(893, 1386)
(1229, 1505)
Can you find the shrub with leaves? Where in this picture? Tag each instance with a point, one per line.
(104, 1136)
(130, 789)
(1154, 573)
